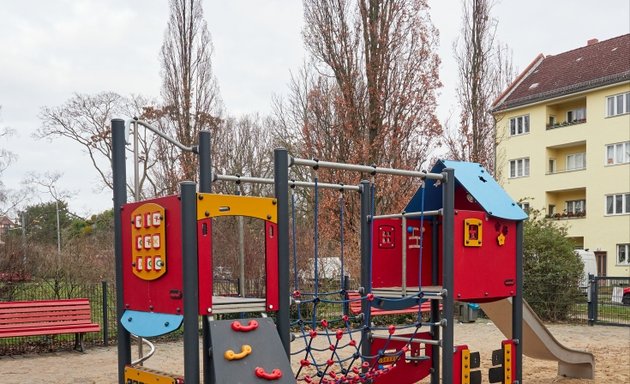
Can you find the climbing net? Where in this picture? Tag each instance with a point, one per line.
(347, 348)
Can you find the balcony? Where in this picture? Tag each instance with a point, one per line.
(567, 204)
(567, 215)
(555, 125)
(566, 113)
(565, 158)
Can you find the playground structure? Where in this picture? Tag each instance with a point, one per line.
(459, 238)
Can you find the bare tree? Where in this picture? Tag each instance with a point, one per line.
(485, 68)
(189, 89)
(85, 119)
(366, 96)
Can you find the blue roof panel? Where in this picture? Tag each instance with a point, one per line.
(478, 183)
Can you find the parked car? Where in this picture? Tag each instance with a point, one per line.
(626, 296)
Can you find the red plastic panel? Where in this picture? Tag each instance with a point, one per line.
(487, 272)
(164, 294)
(271, 263)
(404, 371)
(387, 253)
(204, 257)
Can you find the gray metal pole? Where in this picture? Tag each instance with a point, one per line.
(366, 265)
(281, 177)
(448, 269)
(517, 305)
(205, 185)
(105, 307)
(119, 173)
(191, 280)
(435, 304)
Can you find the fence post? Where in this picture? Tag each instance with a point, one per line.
(589, 299)
(595, 298)
(105, 314)
(345, 288)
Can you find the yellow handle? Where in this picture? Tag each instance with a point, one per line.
(231, 355)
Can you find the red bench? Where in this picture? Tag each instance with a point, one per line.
(47, 317)
(355, 307)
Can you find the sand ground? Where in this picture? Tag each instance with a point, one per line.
(610, 345)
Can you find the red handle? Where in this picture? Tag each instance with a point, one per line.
(238, 327)
(274, 375)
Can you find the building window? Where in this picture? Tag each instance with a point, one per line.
(576, 161)
(618, 104)
(519, 167)
(551, 209)
(575, 207)
(618, 204)
(623, 254)
(618, 153)
(576, 115)
(519, 125)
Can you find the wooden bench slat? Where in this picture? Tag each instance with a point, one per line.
(43, 303)
(42, 308)
(44, 315)
(44, 324)
(50, 331)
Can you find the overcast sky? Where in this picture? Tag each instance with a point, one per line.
(50, 50)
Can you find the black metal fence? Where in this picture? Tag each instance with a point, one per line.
(606, 301)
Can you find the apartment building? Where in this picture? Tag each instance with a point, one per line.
(563, 145)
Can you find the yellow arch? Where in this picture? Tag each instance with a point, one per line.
(213, 205)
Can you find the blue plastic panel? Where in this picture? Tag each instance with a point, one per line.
(478, 183)
(150, 324)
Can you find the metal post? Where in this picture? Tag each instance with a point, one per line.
(403, 236)
(58, 228)
(205, 185)
(281, 177)
(136, 172)
(435, 304)
(591, 301)
(119, 173)
(191, 280)
(241, 247)
(345, 288)
(105, 314)
(366, 265)
(448, 269)
(517, 305)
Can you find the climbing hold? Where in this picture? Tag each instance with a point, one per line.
(238, 327)
(231, 355)
(274, 375)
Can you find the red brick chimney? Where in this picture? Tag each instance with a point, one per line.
(592, 41)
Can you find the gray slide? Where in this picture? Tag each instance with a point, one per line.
(538, 342)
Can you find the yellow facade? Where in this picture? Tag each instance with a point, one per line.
(569, 167)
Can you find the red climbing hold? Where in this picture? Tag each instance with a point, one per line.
(391, 329)
(274, 375)
(339, 334)
(313, 333)
(305, 363)
(370, 297)
(238, 327)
